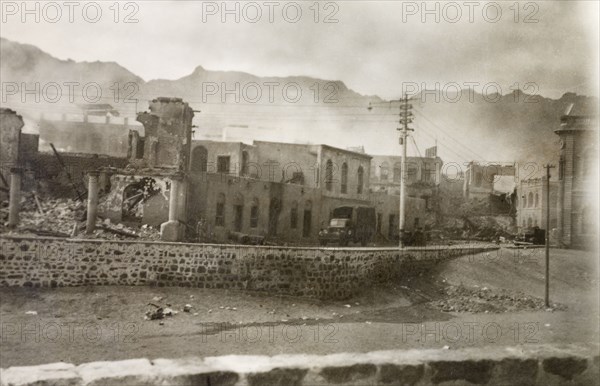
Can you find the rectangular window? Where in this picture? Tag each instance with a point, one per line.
(254, 217)
(220, 217)
(223, 163)
(294, 218)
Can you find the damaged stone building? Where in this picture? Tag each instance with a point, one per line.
(278, 191)
(480, 180)
(212, 191)
(58, 174)
(533, 196)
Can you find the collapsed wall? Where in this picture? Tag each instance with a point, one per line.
(313, 272)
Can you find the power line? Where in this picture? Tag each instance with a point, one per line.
(421, 114)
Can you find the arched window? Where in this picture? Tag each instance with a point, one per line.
(384, 171)
(344, 187)
(199, 159)
(529, 222)
(537, 199)
(274, 210)
(245, 161)
(238, 212)
(524, 223)
(360, 177)
(329, 175)
(307, 219)
(254, 213)
(530, 200)
(535, 222)
(220, 211)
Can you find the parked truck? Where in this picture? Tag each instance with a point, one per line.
(348, 224)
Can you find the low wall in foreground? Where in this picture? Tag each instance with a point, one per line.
(313, 272)
(525, 365)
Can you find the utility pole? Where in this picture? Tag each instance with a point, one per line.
(405, 118)
(547, 293)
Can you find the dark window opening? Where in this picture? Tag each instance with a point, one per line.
(359, 188)
(199, 159)
(344, 187)
(238, 217)
(329, 175)
(254, 215)
(220, 216)
(223, 164)
(139, 153)
(391, 226)
(306, 223)
(245, 161)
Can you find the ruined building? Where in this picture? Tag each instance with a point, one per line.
(217, 191)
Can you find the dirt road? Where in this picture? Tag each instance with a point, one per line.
(105, 323)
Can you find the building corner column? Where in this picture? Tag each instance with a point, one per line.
(170, 230)
(92, 202)
(14, 197)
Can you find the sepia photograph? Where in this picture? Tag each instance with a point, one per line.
(299, 193)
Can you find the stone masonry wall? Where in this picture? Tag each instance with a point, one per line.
(528, 365)
(313, 272)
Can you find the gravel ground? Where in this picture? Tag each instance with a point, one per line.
(107, 323)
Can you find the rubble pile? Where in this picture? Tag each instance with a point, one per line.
(64, 217)
(476, 300)
(484, 228)
(53, 217)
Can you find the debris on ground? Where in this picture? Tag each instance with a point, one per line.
(187, 308)
(31, 313)
(156, 314)
(160, 312)
(64, 217)
(476, 300)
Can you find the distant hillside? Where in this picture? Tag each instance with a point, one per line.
(515, 127)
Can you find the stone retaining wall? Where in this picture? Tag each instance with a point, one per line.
(312, 272)
(526, 365)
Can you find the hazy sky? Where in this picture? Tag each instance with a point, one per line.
(368, 45)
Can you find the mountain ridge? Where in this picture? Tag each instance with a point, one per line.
(511, 127)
